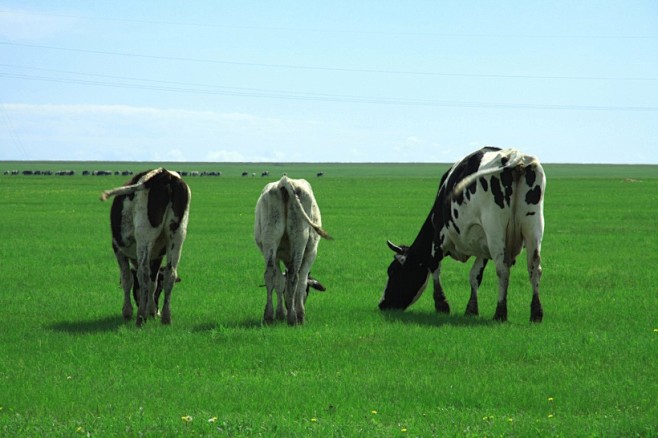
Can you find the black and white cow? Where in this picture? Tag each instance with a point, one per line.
(149, 220)
(489, 205)
(287, 230)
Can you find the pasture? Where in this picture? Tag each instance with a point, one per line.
(70, 366)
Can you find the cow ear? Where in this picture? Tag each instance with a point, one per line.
(315, 284)
(394, 247)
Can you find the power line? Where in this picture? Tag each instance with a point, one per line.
(324, 68)
(116, 82)
(326, 30)
(12, 132)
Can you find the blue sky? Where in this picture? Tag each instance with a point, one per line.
(413, 81)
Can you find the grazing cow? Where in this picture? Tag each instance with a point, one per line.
(489, 205)
(287, 229)
(149, 220)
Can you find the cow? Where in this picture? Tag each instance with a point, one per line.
(148, 220)
(287, 230)
(489, 205)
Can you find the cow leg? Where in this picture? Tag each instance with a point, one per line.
(502, 270)
(294, 303)
(280, 287)
(440, 302)
(309, 257)
(126, 283)
(155, 272)
(271, 279)
(475, 278)
(292, 279)
(534, 270)
(171, 272)
(146, 286)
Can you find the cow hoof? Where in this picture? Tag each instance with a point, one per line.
(536, 311)
(268, 321)
(140, 320)
(166, 317)
(280, 316)
(537, 316)
(292, 319)
(127, 315)
(442, 306)
(501, 312)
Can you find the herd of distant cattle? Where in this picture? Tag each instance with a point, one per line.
(124, 173)
(489, 205)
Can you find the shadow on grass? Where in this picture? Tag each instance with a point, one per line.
(246, 324)
(436, 319)
(106, 324)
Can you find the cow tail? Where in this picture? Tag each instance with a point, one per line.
(129, 190)
(285, 184)
(515, 159)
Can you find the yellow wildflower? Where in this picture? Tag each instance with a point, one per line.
(186, 418)
(212, 419)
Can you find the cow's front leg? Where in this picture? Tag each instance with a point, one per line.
(291, 296)
(440, 302)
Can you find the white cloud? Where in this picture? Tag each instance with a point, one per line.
(226, 156)
(122, 132)
(26, 25)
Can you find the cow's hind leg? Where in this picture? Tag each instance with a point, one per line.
(146, 285)
(534, 270)
(271, 277)
(475, 279)
(440, 302)
(502, 270)
(171, 273)
(280, 287)
(126, 284)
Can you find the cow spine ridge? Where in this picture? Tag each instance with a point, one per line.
(127, 190)
(285, 183)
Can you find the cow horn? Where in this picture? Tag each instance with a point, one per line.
(394, 247)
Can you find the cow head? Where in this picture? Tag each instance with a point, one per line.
(407, 278)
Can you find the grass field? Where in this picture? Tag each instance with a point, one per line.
(70, 366)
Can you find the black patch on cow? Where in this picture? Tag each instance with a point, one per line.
(530, 213)
(115, 220)
(497, 192)
(533, 196)
(471, 189)
(507, 178)
(485, 184)
(158, 201)
(180, 199)
(530, 176)
(455, 213)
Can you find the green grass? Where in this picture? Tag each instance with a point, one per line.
(70, 366)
